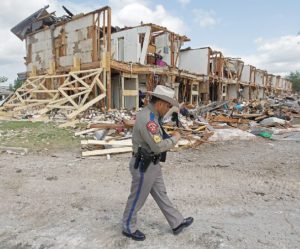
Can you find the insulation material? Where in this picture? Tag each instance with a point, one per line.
(195, 60)
(77, 24)
(77, 44)
(65, 60)
(85, 57)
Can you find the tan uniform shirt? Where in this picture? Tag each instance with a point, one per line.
(148, 134)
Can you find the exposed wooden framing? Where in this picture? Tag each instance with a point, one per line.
(194, 91)
(29, 92)
(127, 93)
(85, 90)
(172, 50)
(76, 64)
(108, 58)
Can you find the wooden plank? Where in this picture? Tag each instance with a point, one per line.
(19, 97)
(37, 100)
(67, 107)
(68, 97)
(228, 120)
(130, 93)
(107, 126)
(98, 70)
(78, 79)
(130, 76)
(88, 93)
(107, 151)
(122, 98)
(250, 115)
(86, 106)
(137, 96)
(73, 88)
(120, 143)
(101, 86)
(45, 91)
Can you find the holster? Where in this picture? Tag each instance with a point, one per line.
(144, 158)
(163, 156)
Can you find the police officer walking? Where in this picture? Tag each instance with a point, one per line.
(150, 143)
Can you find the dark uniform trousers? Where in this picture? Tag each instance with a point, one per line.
(142, 184)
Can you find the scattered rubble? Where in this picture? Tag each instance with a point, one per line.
(105, 133)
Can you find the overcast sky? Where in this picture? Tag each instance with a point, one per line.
(261, 33)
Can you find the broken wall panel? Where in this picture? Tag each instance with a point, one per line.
(195, 60)
(73, 36)
(259, 77)
(232, 91)
(233, 68)
(127, 47)
(245, 76)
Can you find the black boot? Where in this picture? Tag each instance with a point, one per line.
(137, 235)
(186, 222)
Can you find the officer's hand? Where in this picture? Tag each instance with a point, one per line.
(176, 134)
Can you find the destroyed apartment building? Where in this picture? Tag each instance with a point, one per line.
(74, 62)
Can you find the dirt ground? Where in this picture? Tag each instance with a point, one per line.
(241, 195)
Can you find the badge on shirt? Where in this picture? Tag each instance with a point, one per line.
(152, 127)
(157, 138)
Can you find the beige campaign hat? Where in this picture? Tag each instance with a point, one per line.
(166, 94)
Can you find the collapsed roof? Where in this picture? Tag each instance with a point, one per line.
(36, 21)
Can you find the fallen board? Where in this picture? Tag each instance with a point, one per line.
(124, 143)
(106, 151)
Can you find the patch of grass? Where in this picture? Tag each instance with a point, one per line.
(36, 136)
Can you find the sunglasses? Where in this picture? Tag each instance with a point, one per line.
(168, 105)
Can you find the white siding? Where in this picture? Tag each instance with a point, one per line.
(132, 46)
(259, 78)
(163, 47)
(195, 60)
(273, 81)
(245, 77)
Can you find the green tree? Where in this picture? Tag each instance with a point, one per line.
(3, 79)
(294, 77)
(17, 83)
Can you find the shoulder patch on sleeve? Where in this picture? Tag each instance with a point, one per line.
(152, 116)
(157, 138)
(152, 127)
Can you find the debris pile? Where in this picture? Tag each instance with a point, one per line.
(110, 132)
